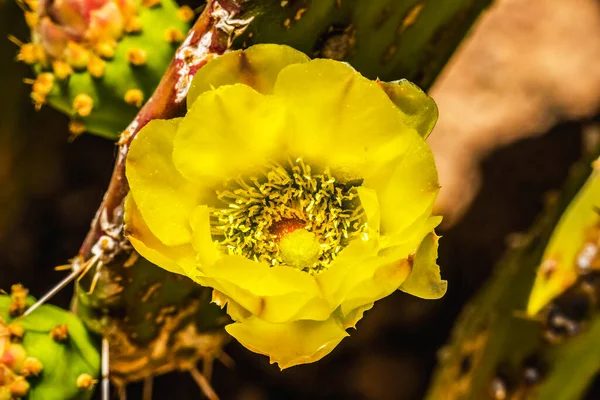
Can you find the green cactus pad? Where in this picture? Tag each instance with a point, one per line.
(62, 361)
(152, 47)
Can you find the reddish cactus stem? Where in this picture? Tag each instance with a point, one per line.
(204, 41)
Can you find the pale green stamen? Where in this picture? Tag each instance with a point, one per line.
(328, 211)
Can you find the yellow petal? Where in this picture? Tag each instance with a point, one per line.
(425, 281)
(419, 110)
(356, 315)
(385, 279)
(275, 294)
(201, 238)
(409, 240)
(359, 276)
(257, 67)
(333, 122)
(227, 132)
(165, 199)
(177, 259)
(406, 187)
(293, 343)
(235, 311)
(370, 203)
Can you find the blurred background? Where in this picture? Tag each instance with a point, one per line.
(517, 104)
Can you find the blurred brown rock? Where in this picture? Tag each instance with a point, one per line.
(526, 66)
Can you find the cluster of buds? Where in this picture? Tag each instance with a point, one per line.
(32, 345)
(74, 42)
(16, 367)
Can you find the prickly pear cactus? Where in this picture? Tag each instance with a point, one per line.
(98, 61)
(47, 355)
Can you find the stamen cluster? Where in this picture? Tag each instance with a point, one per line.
(260, 212)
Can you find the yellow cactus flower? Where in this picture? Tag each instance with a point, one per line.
(300, 191)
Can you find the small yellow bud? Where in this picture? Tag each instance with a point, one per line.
(174, 35)
(76, 127)
(43, 83)
(16, 332)
(106, 49)
(76, 55)
(133, 25)
(60, 333)
(86, 382)
(185, 13)
(38, 100)
(19, 387)
(134, 97)
(31, 367)
(96, 67)
(137, 57)
(18, 296)
(28, 53)
(83, 104)
(61, 69)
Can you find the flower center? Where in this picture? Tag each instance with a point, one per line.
(290, 217)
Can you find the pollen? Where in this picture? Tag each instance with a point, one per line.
(61, 69)
(289, 217)
(96, 67)
(134, 97)
(137, 57)
(83, 104)
(173, 35)
(185, 13)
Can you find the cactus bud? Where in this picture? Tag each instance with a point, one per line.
(134, 97)
(61, 69)
(83, 104)
(13, 357)
(60, 333)
(79, 40)
(16, 332)
(19, 300)
(76, 127)
(19, 362)
(185, 13)
(96, 67)
(137, 57)
(31, 367)
(85, 382)
(19, 388)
